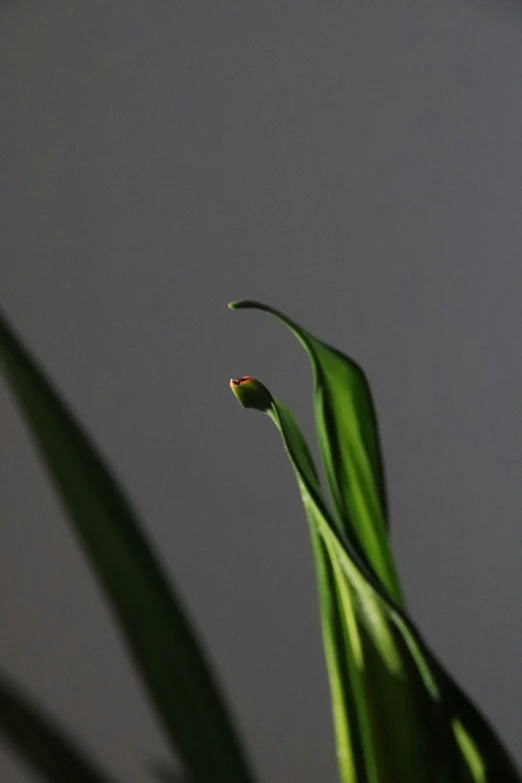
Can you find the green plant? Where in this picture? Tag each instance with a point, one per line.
(398, 716)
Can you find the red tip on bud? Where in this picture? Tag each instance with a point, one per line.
(251, 393)
(239, 381)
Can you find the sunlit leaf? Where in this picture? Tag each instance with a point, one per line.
(398, 715)
(349, 442)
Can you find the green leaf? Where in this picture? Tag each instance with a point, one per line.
(349, 442)
(159, 638)
(398, 716)
(41, 743)
(378, 693)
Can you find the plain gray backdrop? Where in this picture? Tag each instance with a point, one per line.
(357, 164)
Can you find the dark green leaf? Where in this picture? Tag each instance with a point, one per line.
(164, 774)
(41, 743)
(158, 635)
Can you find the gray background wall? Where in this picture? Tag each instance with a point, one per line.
(359, 165)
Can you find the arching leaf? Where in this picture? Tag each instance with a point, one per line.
(160, 640)
(398, 715)
(349, 442)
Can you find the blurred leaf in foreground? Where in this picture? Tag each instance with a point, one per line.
(39, 740)
(158, 635)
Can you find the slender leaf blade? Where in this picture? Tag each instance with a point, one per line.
(378, 708)
(158, 635)
(41, 743)
(342, 655)
(349, 441)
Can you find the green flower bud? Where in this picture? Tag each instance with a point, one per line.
(251, 393)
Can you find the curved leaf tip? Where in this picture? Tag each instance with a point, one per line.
(349, 441)
(244, 304)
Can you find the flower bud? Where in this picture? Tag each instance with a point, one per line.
(251, 393)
